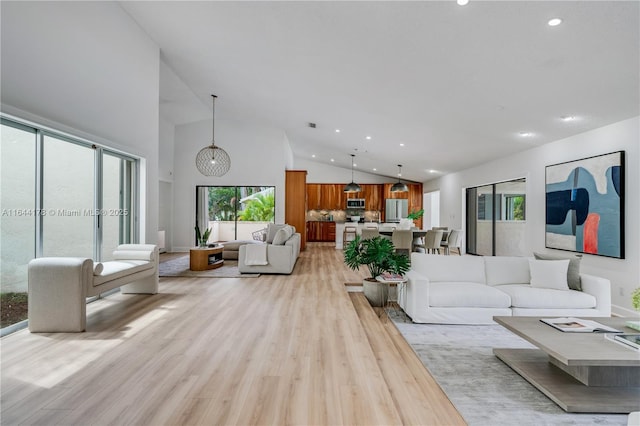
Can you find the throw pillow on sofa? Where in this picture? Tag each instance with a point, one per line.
(273, 228)
(282, 236)
(549, 273)
(573, 272)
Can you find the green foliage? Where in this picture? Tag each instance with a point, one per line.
(416, 215)
(378, 254)
(261, 208)
(202, 238)
(518, 208)
(222, 203)
(635, 299)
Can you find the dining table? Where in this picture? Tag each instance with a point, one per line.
(417, 233)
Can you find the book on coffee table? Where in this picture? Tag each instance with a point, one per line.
(578, 325)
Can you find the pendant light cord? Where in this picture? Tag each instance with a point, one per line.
(213, 124)
(352, 155)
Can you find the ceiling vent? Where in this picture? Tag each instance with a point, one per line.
(312, 125)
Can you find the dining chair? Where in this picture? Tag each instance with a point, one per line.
(433, 241)
(402, 240)
(454, 240)
(445, 234)
(368, 233)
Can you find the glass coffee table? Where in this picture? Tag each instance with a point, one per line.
(581, 372)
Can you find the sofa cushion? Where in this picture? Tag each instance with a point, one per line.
(115, 269)
(466, 295)
(526, 296)
(506, 270)
(573, 272)
(549, 273)
(234, 245)
(449, 268)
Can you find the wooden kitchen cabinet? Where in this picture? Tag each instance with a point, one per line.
(329, 232)
(295, 205)
(372, 194)
(312, 231)
(321, 231)
(326, 196)
(314, 196)
(415, 200)
(333, 197)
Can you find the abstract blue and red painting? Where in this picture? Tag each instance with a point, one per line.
(585, 205)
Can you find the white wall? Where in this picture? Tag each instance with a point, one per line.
(87, 69)
(324, 173)
(165, 151)
(258, 157)
(625, 135)
(431, 205)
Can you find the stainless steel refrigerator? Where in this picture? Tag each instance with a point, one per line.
(396, 209)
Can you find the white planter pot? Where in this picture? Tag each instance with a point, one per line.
(405, 224)
(377, 293)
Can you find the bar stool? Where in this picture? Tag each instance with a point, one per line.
(349, 234)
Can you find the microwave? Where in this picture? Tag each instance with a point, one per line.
(355, 203)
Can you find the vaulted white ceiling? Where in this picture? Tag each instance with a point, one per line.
(455, 84)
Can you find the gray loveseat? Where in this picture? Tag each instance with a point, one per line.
(278, 254)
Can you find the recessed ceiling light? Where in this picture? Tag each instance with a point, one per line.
(337, 130)
(368, 138)
(554, 22)
(313, 156)
(433, 171)
(355, 165)
(525, 134)
(401, 144)
(568, 118)
(332, 160)
(374, 169)
(462, 2)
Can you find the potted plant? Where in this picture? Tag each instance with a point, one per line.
(415, 215)
(635, 302)
(408, 223)
(202, 238)
(379, 256)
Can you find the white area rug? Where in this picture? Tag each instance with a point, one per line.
(179, 267)
(484, 389)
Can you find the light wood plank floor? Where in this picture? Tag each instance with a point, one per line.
(269, 350)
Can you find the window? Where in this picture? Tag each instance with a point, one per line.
(495, 219)
(61, 196)
(514, 207)
(234, 212)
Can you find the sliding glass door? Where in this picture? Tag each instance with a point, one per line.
(60, 196)
(496, 219)
(116, 221)
(68, 193)
(234, 212)
(17, 221)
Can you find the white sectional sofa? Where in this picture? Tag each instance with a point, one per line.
(472, 289)
(59, 286)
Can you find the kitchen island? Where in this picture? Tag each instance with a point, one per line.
(359, 225)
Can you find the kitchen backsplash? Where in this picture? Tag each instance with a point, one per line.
(342, 215)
